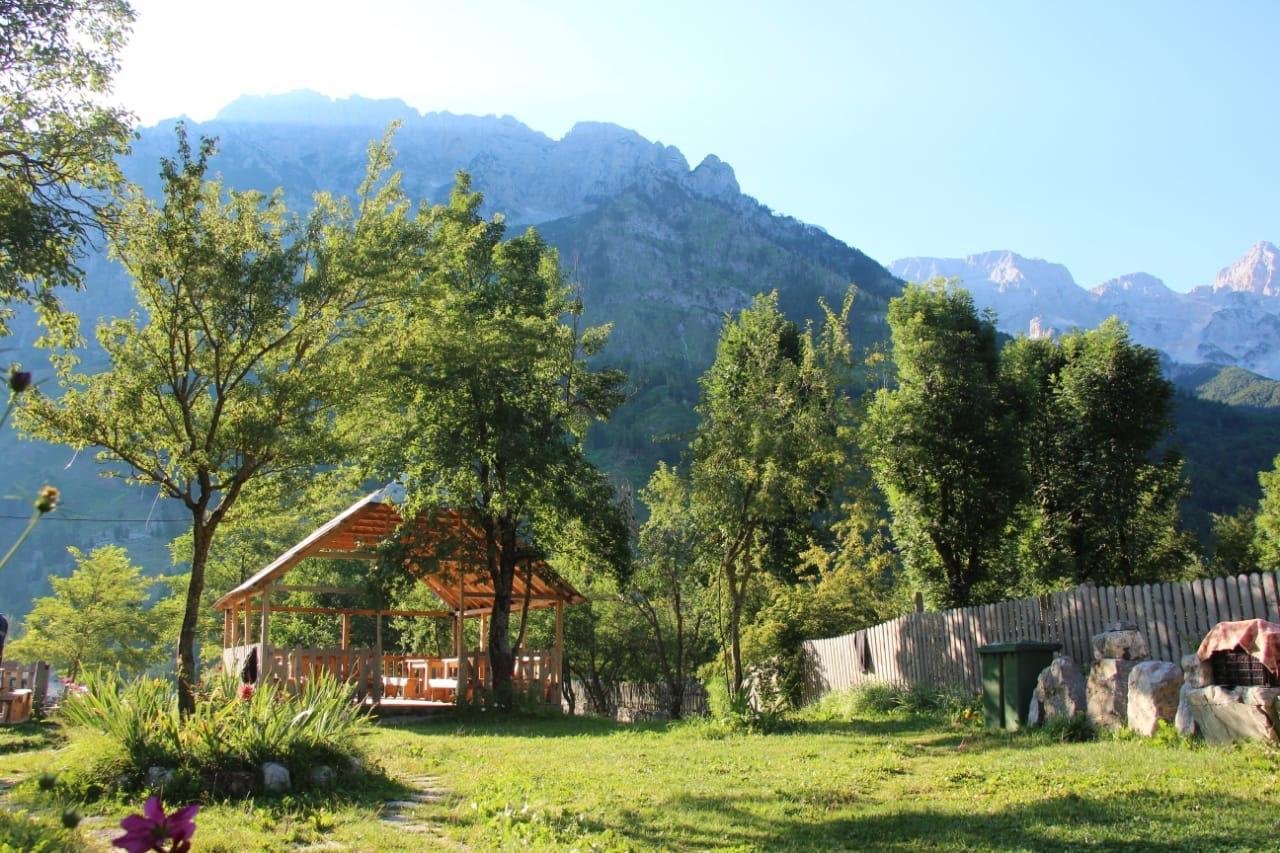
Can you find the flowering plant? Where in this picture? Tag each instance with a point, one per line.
(153, 830)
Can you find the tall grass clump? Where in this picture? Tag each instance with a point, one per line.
(879, 699)
(227, 731)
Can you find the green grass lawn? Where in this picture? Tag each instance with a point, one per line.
(873, 781)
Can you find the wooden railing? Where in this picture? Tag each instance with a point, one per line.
(404, 676)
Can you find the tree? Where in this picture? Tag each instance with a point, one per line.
(768, 450)
(1095, 408)
(479, 394)
(229, 374)
(58, 141)
(668, 583)
(944, 444)
(99, 616)
(1266, 523)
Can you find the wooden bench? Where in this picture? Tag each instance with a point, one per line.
(15, 707)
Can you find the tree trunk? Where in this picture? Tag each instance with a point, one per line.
(502, 562)
(201, 538)
(735, 647)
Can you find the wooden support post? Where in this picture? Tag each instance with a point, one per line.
(346, 631)
(248, 625)
(264, 662)
(557, 667)
(228, 628)
(377, 653)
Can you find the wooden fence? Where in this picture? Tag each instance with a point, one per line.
(940, 648)
(636, 700)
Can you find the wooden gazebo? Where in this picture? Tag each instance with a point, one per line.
(444, 550)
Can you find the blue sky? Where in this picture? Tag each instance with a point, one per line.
(1108, 136)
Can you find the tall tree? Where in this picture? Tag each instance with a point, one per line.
(944, 445)
(230, 372)
(668, 584)
(479, 393)
(768, 451)
(58, 139)
(102, 615)
(1095, 408)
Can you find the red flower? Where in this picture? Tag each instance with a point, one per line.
(151, 829)
(245, 692)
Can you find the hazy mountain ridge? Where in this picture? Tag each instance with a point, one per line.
(663, 252)
(1234, 321)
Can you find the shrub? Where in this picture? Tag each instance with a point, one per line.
(140, 720)
(22, 832)
(883, 698)
(1074, 729)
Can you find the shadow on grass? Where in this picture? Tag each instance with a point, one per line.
(1065, 822)
(30, 736)
(523, 726)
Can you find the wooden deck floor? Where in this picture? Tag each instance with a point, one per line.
(399, 707)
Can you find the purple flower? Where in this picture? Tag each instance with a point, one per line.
(151, 829)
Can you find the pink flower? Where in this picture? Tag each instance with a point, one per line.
(245, 692)
(151, 829)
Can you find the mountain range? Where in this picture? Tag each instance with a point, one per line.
(663, 250)
(1233, 321)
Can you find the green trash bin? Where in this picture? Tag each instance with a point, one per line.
(1009, 674)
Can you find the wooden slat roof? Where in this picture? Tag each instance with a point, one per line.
(447, 547)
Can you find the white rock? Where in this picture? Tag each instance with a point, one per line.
(1124, 644)
(1060, 689)
(1221, 717)
(159, 777)
(1153, 695)
(275, 778)
(1108, 692)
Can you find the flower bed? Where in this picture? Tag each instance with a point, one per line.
(221, 748)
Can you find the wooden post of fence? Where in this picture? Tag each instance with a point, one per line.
(919, 602)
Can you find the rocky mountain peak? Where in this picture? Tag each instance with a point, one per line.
(714, 178)
(1256, 272)
(307, 107)
(1139, 284)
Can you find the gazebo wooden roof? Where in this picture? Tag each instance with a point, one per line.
(445, 551)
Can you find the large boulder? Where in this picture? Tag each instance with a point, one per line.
(1107, 692)
(1120, 641)
(1060, 689)
(1222, 717)
(1153, 695)
(1195, 674)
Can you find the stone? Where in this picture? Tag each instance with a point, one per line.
(1153, 695)
(1060, 689)
(1127, 644)
(1196, 672)
(1221, 717)
(233, 783)
(321, 776)
(1107, 692)
(1264, 698)
(159, 777)
(1033, 712)
(275, 778)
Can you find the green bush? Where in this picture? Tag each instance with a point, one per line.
(23, 833)
(878, 698)
(140, 727)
